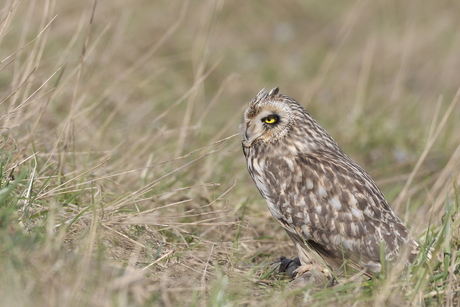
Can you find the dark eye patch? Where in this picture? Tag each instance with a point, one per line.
(271, 119)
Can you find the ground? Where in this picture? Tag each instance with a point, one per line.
(123, 180)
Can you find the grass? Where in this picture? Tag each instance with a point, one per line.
(123, 182)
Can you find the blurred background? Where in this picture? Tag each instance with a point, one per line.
(119, 119)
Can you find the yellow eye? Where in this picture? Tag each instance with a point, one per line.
(270, 120)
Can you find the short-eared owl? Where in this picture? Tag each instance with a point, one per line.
(331, 208)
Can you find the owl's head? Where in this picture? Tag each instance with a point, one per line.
(268, 118)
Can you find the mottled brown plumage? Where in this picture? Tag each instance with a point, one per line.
(331, 208)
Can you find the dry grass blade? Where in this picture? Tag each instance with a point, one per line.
(430, 142)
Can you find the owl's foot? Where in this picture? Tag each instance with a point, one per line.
(287, 266)
(303, 275)
(308, 274)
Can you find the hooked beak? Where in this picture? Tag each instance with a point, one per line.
(251, 133)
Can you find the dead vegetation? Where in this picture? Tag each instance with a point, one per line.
(123, 182)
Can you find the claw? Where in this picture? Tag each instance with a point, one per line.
(288, 266)
(303, 275)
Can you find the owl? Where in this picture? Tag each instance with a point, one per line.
(330, 207)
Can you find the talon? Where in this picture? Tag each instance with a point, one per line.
(288, 266)
(303, 269)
